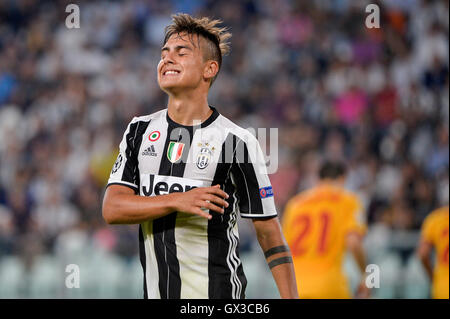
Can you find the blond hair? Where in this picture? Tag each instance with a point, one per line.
(216, 37)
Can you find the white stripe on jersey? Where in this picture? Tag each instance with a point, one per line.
(192, 249)
(245, 180)
(151, 266)
(232, 259)
(231, 263)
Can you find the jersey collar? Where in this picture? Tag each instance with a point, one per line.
(204, 124)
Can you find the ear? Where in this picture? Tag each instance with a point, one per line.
(211, 69)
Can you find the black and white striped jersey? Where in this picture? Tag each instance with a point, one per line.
(184, 255)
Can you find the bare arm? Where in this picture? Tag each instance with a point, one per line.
(354, 245)
(424, 253)
(122, 206)
(269, 236)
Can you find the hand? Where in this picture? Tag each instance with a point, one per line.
(363, 292)
(193, 201)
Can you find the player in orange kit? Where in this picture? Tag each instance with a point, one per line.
(435, 234)
(320, 224)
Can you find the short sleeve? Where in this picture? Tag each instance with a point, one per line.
(125, 170)
(249, 174)
(427, 232)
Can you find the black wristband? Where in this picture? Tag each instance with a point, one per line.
(279, 261)
(276, 250)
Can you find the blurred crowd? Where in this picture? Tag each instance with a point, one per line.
(377, 98)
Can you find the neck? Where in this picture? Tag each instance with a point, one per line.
(188, 109)
(331, 182)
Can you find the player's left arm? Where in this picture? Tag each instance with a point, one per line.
(354, 244)
(256, 201)
(424, 250)
(278, 256)
(355, 230)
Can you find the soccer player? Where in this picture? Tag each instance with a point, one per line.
(435, 235)
(185, 173)
(319, 225)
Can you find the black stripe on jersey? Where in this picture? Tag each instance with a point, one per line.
(221, 284)
(164, 227)
(134, 140)
(142, 259)
(246, 181)
(166, 257)
(131, 175)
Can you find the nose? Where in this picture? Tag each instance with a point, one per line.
(168, 59)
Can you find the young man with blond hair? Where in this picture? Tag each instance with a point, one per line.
(185, 173)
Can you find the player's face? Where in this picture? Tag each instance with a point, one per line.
(182, 64)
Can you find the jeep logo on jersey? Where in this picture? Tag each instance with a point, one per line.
(174, 151)
(153, 185)
(203, 157)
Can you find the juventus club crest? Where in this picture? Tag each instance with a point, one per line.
(204, 156)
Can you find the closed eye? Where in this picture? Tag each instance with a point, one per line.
(181, 49)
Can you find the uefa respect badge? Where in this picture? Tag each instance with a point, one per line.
(266, 192)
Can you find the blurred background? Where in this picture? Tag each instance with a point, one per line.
(377, 98)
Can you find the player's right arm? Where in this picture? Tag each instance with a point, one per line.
(122, 206)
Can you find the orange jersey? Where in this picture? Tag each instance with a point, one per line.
(435, 232)
(315, 224)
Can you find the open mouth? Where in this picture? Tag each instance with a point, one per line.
(171, 72)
